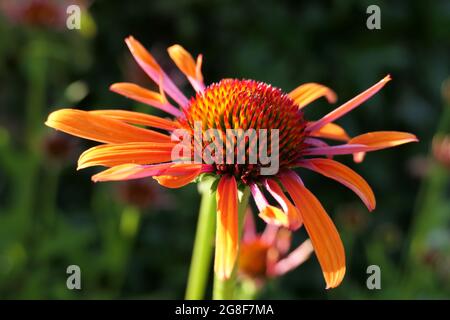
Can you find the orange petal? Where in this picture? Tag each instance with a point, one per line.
(138, 93)
(274, 216)
(99, 128)
(383, 139)
(198, 68)
(294, 219)
(183, 60)
(154, 71)
(187, 65)
(138, 118)
(358, 157)
(130, 171)
(349, 105)
(308, 92)
(343, 174)
(227, 239)
(134, 171)
(177, 181)
(142, 55)
(324, 236)
(331, 131)
(111, 155)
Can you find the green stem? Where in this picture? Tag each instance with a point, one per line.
(49, 198)
(130, 221)
(224, 289)
(203, 243)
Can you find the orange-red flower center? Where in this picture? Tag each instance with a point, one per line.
(245, 105)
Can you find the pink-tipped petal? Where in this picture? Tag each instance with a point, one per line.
(308, 92)
(335, 150)
(258, 196)
(343, 174)
(348, 106)
(294, 218)
(154, 70)
(135, 92)
(293, 260)
(187, 65)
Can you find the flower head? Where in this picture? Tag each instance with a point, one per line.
(251, 108)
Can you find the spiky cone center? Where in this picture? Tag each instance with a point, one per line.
(243, 105)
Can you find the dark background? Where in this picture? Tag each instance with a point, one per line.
(133, 240)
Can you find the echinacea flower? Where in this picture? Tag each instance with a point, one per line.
(131, 152)
(268, 255)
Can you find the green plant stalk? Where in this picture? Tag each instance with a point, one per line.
(129, 224)
(225, 289)
(49, 198)
(28, 161)
(203, 243)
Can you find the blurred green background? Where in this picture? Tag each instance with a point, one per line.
(133, 240)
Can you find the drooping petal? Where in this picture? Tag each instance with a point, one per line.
(154, 71)
(293, 260)
(258, 196)
(322, 232)
(138, 93)
(349, 105)
(343, 174)
(308, 92)
(99, 128)
(331, 131)
(227, 238)
(270, 214)
(188, 66)
(274, 216)
(294, 218)
(168, 180)
(110, 155)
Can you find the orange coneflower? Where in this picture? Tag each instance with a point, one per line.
(132, 152)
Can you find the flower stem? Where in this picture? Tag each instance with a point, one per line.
(224, 289)
(203, 243)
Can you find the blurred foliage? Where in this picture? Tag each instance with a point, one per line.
(52, 217)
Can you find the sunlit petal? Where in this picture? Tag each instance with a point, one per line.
(227, 238)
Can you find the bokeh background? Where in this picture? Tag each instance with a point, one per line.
(133, 240)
